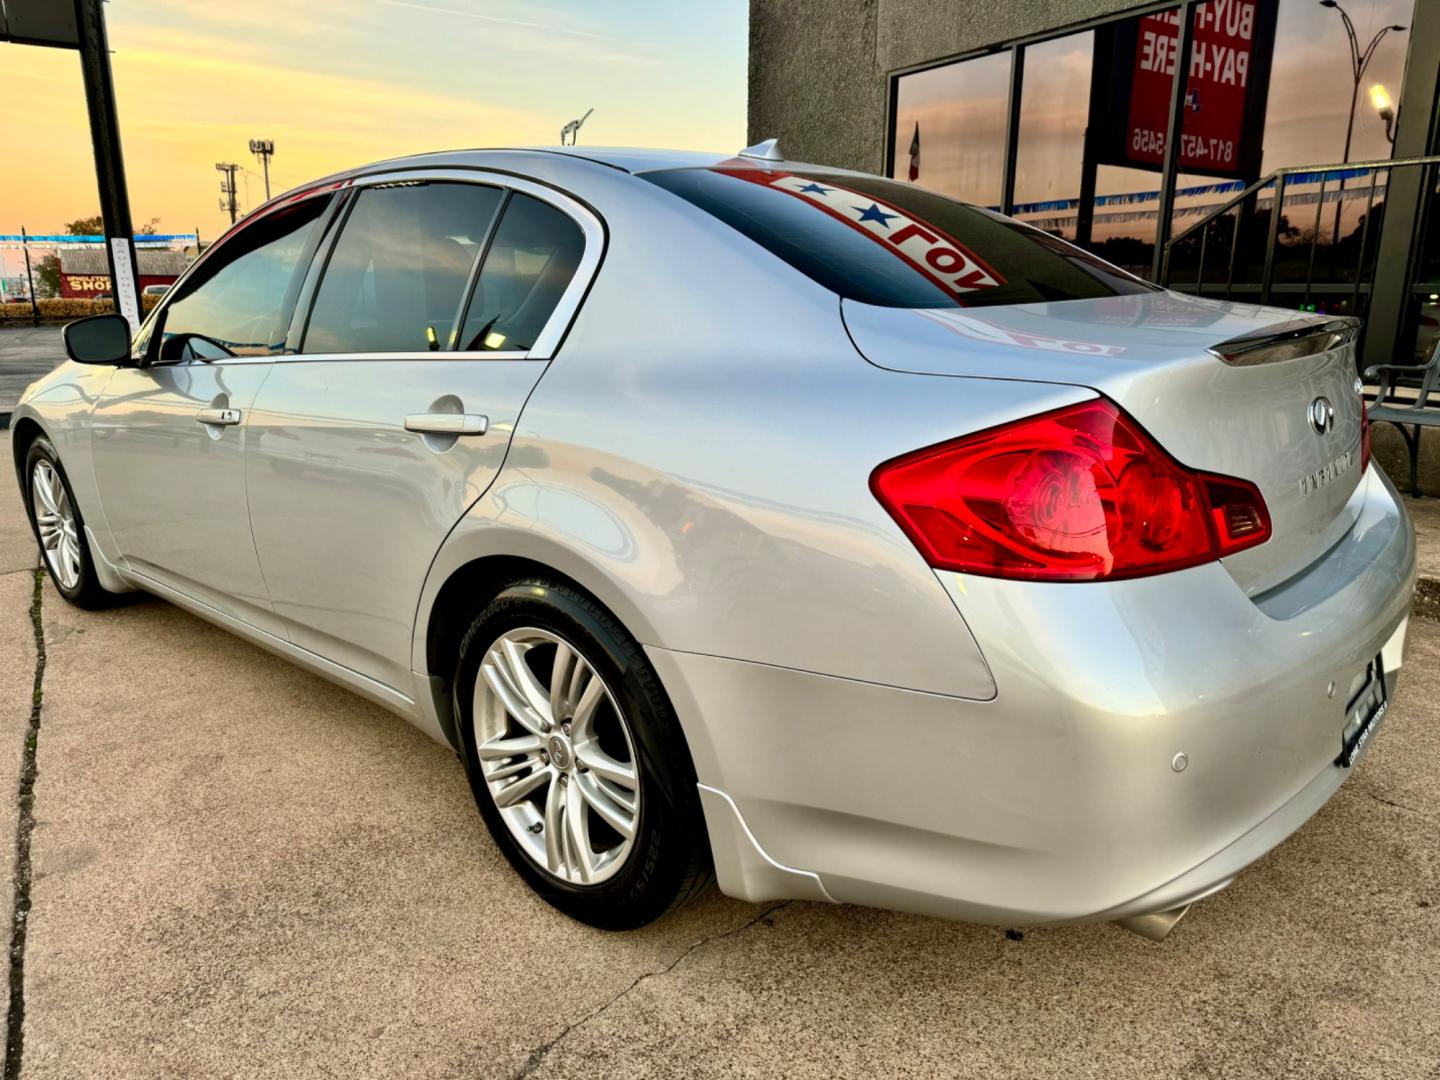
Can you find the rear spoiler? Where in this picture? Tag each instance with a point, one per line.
(1288, 341)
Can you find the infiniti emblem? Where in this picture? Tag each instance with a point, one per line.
(1322, 415)
(559, 752)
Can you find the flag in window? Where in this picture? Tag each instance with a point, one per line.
(915, 153)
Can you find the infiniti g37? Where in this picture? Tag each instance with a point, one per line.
(740, 518)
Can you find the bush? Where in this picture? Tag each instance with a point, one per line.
(58, 308)
(61, 308)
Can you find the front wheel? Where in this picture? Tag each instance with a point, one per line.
(59, 527)
(576, 759)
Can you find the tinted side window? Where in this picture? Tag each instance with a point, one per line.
(530, 262)
(883, 242)
(398, 272)
(235, 300)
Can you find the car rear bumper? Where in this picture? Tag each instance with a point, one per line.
(1061, 799)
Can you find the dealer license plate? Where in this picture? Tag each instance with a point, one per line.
(1363, 716)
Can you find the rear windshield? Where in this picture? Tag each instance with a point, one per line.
(882, 242)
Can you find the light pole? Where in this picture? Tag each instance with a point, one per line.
(1359, 61)
(264, 149)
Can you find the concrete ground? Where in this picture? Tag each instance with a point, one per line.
(26, 353)
(240, 870)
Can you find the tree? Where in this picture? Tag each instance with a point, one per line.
(47, 276)
(95, 226)
(86, 226)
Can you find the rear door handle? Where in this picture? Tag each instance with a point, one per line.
(444, 423)
(219, 417)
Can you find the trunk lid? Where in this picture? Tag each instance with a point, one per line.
(1267, 395)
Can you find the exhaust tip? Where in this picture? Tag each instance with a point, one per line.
(1155, 926)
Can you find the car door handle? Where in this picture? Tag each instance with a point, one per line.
(445, 423)
(219, 417)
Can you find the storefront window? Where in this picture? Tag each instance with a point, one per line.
(1053, 105)
(1423, 318)
(1269, 86)
(957, 115)
(1311, 82)
(1329, 222)
(1126, 203)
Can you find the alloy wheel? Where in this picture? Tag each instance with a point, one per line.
(55, 520)
(556, 755)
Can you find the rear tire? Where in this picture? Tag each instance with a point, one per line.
(59, 528)
(627, 769)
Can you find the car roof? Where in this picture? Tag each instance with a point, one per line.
(635, 159)
(630, 159)
(627, 159)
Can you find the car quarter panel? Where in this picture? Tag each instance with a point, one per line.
(698, 455)
(1060, 799)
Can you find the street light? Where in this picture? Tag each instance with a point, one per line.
(1359, 61)
(1380, 98)
(264, 149)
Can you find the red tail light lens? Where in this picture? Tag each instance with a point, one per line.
(1078, 494)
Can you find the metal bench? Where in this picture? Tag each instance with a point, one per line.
(1408, 417)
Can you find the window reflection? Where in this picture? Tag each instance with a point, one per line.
(235, 299)
(1053, 107)
(959, 110)
(1306, 112)
(1308, 122)
(1310, 84)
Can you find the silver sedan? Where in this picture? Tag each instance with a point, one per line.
(740, 518)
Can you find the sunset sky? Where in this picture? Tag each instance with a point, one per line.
(337, 83)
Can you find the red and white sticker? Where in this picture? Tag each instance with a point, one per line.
(948, 263)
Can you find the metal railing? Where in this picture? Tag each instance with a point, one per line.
(1245, 204)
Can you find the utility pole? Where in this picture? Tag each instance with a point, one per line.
(227, 188)
(109, 162)
(264, 149)
(29, 277)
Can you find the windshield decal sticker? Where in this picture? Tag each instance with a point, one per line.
(953, 268)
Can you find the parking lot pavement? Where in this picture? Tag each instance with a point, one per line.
(240, 870)
(26, 353)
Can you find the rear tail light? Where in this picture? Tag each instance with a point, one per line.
(1078, 494)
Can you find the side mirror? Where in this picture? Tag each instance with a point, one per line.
(100, 339)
